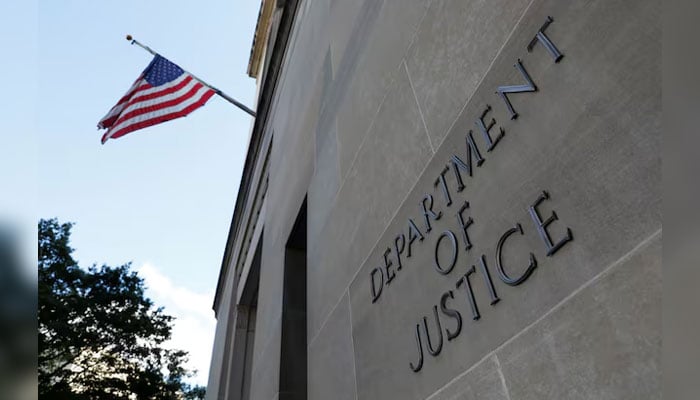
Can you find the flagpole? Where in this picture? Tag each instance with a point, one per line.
(216, 90)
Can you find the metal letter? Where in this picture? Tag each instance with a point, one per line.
(542, 38)
(470, 293)
(453, 240)
(375, 293)
(418, 367)
(451, 312)
(542, 226)
(472, 149)
(487, 279)
(486, 129)
(433, 352)
(387, 263)
(528, 87)
(499, 265)
(413, 234)
(396, 247)
(443, 185)
(428, 212)
(464, 225)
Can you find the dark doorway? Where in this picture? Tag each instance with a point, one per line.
(293, 349)
(244, 339)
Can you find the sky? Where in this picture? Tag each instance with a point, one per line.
(161, 198)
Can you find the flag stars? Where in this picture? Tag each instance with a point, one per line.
(162, 71)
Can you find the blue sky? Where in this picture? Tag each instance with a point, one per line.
(161, 198)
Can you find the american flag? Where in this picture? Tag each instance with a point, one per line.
(162, 92)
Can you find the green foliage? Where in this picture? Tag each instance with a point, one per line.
(99, 336)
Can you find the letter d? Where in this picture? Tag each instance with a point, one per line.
(376, 293)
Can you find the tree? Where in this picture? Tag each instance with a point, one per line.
(100, 337)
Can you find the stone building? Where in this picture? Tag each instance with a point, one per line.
(447, 199)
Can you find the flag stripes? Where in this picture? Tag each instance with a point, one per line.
(163, 92)
(113, 114)
(154, 114)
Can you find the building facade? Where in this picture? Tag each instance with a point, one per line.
(455, 199)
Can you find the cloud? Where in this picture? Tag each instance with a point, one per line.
(194, 325)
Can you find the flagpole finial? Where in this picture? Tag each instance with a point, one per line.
(129, 38)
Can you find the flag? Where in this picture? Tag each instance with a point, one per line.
(162, 92)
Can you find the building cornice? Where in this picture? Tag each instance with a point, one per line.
(260, 36)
